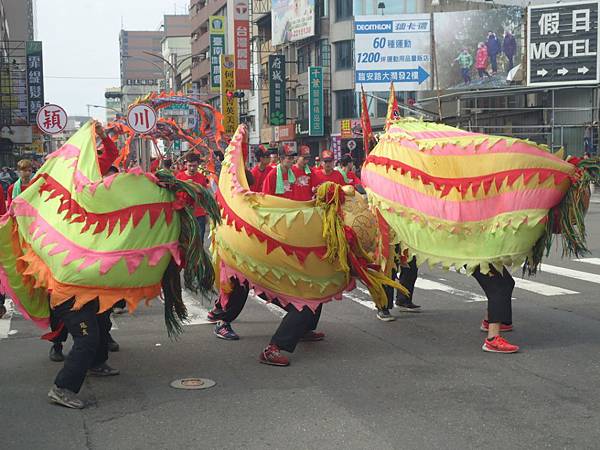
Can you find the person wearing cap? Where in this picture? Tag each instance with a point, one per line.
(346, 168)
(317, 165)
(303, 174)
(273, 153)
(261, 170)
(327, 173)
(280, 180)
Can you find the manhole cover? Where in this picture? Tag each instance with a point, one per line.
(193, 383)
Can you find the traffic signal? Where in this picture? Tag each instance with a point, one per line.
(237, 94)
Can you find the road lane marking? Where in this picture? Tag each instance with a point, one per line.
(5, 321)
(595, 261)
(570, 273)
(270, 306)
(541, 288)
(429, 285)
(196, 313)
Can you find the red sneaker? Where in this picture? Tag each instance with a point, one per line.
(485, 326)
(272, 355)
(312, 336)
(499, 345)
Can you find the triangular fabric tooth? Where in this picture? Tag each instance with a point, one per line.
(487, 184)
(112, 223)
(154, 214)
(124, 220)
(101, 225)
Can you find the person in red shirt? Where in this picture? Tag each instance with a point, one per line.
(327, 173)
(303, 174)
(191, 173)
(281, 180)
(261, 170)
(274, 158)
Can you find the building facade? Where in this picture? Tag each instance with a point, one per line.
(141, 72)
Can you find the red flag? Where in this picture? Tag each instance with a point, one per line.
(393, 109)
(365, 122)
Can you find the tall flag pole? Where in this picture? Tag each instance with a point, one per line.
(393, 110)
(365, 122)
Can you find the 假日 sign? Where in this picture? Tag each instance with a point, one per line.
(51, 119)
(216, 30)
(292, 20)
(141, 118)
(316, 126)
(35, 79)
(277, 97)
(393, 48)
(241, 30)
(562, 43)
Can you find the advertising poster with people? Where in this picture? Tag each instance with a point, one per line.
(478, 49)
(292, 20)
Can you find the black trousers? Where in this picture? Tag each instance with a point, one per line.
(236, 303)
(90, 342)
(294, 325)
(407, 277)
(55, 323)
(498, 288)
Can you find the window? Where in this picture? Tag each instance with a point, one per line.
(324, 53)
(344, 55)
(369, 7)
(345, 104)
(323, 8)
(343, 10)
(302, 107)
(303, 58)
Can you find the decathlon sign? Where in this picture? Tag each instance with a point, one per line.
(562, 44)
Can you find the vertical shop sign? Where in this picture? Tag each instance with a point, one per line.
(35, 79)
(277, 97)
(229, 106)
(241, 29)
(216, 29)
(315, 102)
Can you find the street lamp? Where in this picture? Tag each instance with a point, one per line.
(381, 6)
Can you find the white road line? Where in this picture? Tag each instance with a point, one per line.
(547, 290)
(196, 313)
(366, 303)
(595, 261)
(271, 307)
(469, 297)
(541, 288)
(570, 273)
(5, 321)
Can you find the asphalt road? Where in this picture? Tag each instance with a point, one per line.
(418, 383)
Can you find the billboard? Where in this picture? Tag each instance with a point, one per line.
(562, 43)
(292, 20)
(241, 37)
(216, 29)
(393, 48)
(477, 49)
(277, 94)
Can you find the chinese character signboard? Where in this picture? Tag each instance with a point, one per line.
(393, 48)
(346, 128)
(51, 119)
(141, 118)
(316, 125)
(562, 44)
(229, 106)
(292, 20)
(477, 49)
(241, 29)
(35, 79)
(277, 115)
(216, 29)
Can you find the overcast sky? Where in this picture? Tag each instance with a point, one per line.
(81, 39)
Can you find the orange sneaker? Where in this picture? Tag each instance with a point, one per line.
(499, 345)
(272, 355)
(485, 326)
